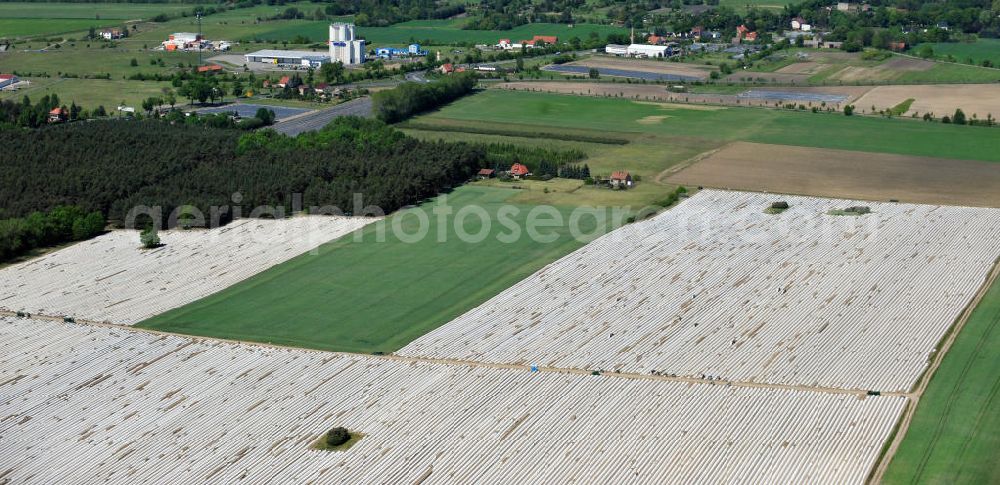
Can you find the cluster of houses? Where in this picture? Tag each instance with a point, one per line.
(666, 45)
(619, 179)
(536, 41)
(112, 34)
(516, 171)
(322, 90)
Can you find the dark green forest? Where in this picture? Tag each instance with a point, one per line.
(62, 224)
(112, 166)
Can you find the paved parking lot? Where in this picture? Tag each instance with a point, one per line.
(605, 71)
(249, 110)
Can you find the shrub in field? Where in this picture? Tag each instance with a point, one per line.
(149, 238)
(337, 436)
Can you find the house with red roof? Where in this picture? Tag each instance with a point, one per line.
(548, 39)
(744, 33)
(485, 173)
(447, 68)
(209, 69)
(7, 80)
(283, 81)
(621, 179)
(57, 115)
(519, 170)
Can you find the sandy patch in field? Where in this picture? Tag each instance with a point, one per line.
(652, 120)
(940, 99)
(858, 73)
(802, 68)
(907, 64)
(886, 71)
(846, 174)
(656, 67)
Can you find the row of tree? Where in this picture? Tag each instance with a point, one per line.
(541, 160)
(26, 114)
(62, 224)
(408, 99)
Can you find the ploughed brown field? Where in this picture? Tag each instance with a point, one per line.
(939, 99)
(846, 174)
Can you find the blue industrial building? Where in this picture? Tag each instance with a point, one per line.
(390, 52)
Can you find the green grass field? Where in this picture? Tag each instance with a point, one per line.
(376, 296)
(29, 19)
(440, 32)
(11, 28)
(951, 73)
(906, 137)
(92, 11)
(988, 49)
(742, 5)
(91, 93)
(79, 59)
(955, 434)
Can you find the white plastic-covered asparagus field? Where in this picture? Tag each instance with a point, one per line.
(716, 287)
(111, 279)
(88, 404)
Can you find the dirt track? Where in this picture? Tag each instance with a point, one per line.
(846, 174)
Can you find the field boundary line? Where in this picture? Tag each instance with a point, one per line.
(859, 393)
(677, 167)
(918, 390)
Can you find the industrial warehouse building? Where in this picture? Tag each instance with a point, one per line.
(8, 80)
(286, 58)
(344, 47)
(638, 50)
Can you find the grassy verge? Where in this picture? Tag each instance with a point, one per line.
(955, 431)
(902, 108)
(784, 127)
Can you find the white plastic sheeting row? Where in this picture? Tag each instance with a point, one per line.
(717, 287)
(85, 404)
(111, 279)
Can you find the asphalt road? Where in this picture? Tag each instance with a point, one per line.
(417, 77)
(320, 118)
